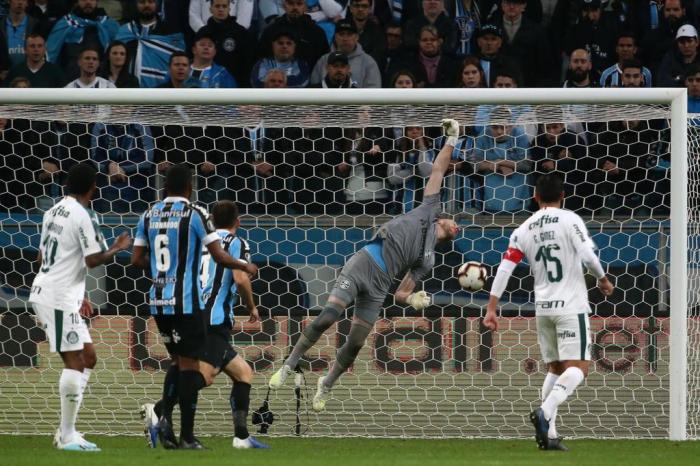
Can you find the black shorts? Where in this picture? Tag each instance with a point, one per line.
(219, 351)
(183, 334)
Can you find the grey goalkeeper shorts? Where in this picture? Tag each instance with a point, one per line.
(363, 282)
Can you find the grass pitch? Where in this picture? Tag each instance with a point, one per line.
(131, 451)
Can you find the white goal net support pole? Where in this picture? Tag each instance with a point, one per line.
(432, 402)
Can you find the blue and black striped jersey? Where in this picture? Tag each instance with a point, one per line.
(220, 290)
(174, 231)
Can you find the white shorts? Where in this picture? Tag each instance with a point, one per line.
(66, 331)
(564, 338)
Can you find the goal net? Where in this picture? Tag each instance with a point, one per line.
(313, 183)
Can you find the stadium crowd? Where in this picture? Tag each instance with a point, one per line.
(617, 166)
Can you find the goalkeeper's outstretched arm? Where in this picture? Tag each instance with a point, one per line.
(450, 129)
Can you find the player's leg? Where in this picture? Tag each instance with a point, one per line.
(190, 331)
(335, 307)
(163, 409)
(241, 375)
(554, 371)
(359, 329)
(549, 350)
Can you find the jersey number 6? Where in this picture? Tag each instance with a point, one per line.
(162, 253)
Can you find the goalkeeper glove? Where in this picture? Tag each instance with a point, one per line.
(450, 127)
(419, 300)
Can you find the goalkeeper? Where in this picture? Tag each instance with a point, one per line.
(406, 244)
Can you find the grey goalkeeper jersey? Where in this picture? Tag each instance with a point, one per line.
(409, 240)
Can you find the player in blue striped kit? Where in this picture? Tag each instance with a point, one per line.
(221, 289)
(169, 241)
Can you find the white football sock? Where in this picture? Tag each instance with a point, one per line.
(564, 386)
(83, 383)
(69, 388)
(549, 382)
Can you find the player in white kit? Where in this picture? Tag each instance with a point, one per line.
(556, 243)
(71, 242)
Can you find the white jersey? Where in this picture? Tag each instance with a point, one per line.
(553, 241)
(69, 233)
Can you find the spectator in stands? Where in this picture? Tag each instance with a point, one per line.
(149, 43)
(14, 29)
(409, 167)
(35, 68)
(433, 14)
(235, 46)
(490, 41)
(371, 34)
(275, 79)
(114, 67)
(501, 157)
(87, 26)
(201, 11)
(626, 49)
(467, 16)
(179, 73)
(337, 73)
(270, 10)
(89, 64)
(394, 53)
(325, 13)
(284, 59)
(672, 68)
(632, 74)
(312, 40)
(557, 150)
(526, 43)
(204, 70)
(363, 68)
(692, 83)
(431, 66)
(596, 31)
(20, 82)
(47, 12)
(656, 42)
(580, 70)
(403, 79)
(123, 155)
(471, 75)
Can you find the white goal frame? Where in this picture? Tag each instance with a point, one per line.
(675, 98)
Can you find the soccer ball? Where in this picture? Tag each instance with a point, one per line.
(472, 276)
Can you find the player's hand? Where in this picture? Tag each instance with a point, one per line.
(86, 310)
(605, 286)
(123, 242)
(450, 127)
(254, 315)
(251, 269)
(491, 321)
(419, 300)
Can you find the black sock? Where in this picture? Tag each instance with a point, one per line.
(170, 394)
(190, 384)
(240, 403)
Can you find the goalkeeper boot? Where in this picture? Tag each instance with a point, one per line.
(150, 424)
(279, 377)
(166, 435)
(195, 444)
(541, 428)
(321, 396)
(250, 442)
(555, 444)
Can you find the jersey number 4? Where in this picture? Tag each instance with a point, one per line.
(544, 254)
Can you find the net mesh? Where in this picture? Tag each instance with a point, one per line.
(314, 183)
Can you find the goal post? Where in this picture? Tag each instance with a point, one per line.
(375, 396)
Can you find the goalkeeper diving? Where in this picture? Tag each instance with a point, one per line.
(404, 245)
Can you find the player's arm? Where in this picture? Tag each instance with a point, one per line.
(441, 163)
(500, 281)
(139, 256)
(245, 289)
(404, 294)
(223, 258)
(122, 243)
